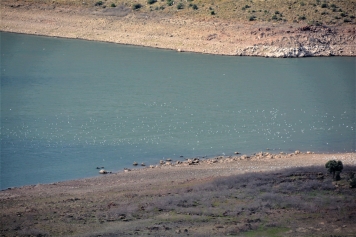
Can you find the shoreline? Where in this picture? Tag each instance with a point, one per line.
(201, 163)
(181, 34)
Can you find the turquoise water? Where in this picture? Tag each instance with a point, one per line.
(68, 106)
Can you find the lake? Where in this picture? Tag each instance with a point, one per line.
(68, 106)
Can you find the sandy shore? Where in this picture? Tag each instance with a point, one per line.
(211, 36)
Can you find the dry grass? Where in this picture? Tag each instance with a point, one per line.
(291, 202)
(278, 11)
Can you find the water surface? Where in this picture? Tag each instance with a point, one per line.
(68, 106)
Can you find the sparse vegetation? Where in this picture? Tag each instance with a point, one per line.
(170, 2)
(99, 3)
(136, 6)
(180, 6)
(112, 5)
(250, 204)
(327, 12)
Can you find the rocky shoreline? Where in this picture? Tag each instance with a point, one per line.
(182, 34)
(217, 159)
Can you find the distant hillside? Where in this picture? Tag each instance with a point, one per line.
(313, 12)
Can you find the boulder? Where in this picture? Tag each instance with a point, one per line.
(102, 171)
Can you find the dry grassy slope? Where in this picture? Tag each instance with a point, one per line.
(327, 12)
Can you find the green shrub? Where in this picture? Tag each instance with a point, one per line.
(334, 166)
(212, 13)
(180, 6)
(347, 20)
(245, 7)
(274, 17)
(324, 5)
(99, 3)
(112, 5)
(276, 12)
(302, 18)
(151, 1)
(342, 14)
(252, 18)
(195, 7)
(170, 2)
(136, 6)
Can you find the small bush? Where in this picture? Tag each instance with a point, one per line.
(302, 18)
(180, 6)
(334, 166)
(274, 17)
(212, 13)
(347, 20)
(99, 3)
(252, 18)
(151, 1)
(195, 7)
(170, 2)
(112, 5)
(343, 14)
(136, 6)
(324, 5)
(276, 12)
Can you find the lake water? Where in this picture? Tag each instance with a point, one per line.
(68, 106)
